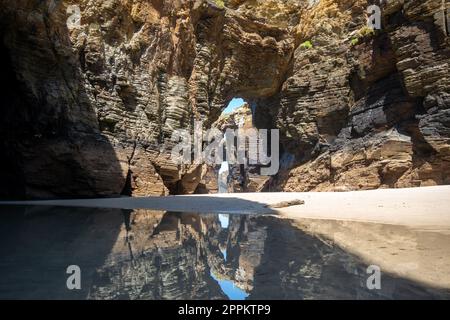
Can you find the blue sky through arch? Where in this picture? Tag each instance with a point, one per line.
(233, 105)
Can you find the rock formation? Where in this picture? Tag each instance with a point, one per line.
(246, 177)
(361, 109)
(90, 104)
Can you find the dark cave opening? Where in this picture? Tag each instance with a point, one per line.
(12, 185)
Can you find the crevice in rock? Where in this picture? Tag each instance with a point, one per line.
(127, 189)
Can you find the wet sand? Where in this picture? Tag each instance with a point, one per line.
(422, 256)
(404, 231)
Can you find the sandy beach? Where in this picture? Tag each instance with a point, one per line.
(404, 231)
(427, 207)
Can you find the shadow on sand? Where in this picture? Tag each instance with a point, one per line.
(192, 204)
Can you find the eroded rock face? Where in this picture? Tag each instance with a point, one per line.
(361, 111)
(95, 104)
(246, 177)
(90, 108)
(284, 13)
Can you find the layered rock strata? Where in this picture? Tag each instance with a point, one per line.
(364, 109)
(90, 104)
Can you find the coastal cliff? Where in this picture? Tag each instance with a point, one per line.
(89, 106)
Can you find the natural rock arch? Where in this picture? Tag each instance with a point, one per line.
(134, 71)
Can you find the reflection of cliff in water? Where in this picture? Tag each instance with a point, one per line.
(154, 255)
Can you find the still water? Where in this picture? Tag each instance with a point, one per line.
(125, 254)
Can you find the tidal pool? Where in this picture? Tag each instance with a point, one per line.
(123, 254)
